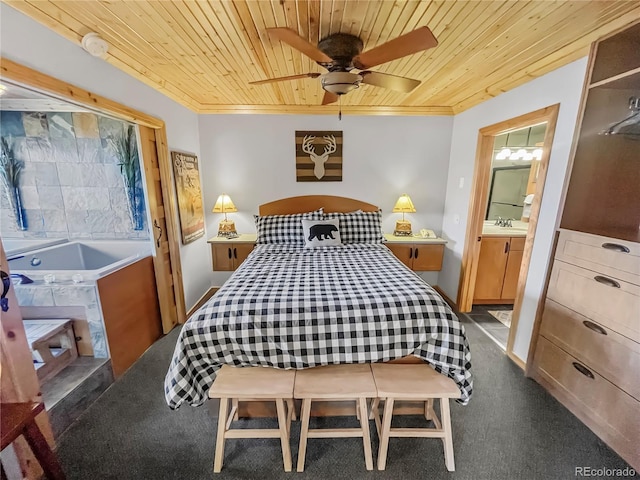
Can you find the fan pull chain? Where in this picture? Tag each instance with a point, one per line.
(340, 108)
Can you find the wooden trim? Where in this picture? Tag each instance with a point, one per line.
(473, 236)
(517, 360)
(308, 203)
(20, 74)
(480, 191)
(171, 221)
(324, 110)
(551, 119)
(540, 310)
(18, 381)
(451, 303)
(202, 300)
(52, 86)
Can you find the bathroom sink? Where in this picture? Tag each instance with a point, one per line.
(519, 229)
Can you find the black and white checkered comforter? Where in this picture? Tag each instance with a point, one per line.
(291, 307)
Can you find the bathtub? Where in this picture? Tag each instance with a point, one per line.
(78, 261)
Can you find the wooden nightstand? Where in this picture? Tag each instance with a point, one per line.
(417, 253)
(228, 253)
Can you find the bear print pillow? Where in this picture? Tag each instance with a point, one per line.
(321, 233)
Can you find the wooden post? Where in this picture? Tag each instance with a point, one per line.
(18, 380)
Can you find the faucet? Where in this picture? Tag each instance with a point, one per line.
(504, 222)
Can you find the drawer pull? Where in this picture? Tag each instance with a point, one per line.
(606, 281)
(583, 370)
(229, 252)
(411, 252)
(415, 255)
(594, 327)
(615, 246)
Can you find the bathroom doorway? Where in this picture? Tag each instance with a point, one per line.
(510, 170)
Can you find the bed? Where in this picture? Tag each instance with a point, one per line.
(293, 307)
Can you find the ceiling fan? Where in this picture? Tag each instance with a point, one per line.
(341, 53)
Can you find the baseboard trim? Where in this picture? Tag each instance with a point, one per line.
(451, 303)
(517, 360)
(203, 299)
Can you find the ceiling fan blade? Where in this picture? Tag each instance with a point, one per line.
(291, 38)
(329, 98)
(290, 77)
(412, 42)
(392, 82)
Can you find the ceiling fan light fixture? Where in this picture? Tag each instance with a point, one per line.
(340, 83)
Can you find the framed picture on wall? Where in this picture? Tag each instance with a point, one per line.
(190, 206)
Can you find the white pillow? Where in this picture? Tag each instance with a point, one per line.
(321, 233)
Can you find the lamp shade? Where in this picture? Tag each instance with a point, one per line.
(224, 205)
(404, 205)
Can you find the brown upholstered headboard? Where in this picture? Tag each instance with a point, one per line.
(308, 203)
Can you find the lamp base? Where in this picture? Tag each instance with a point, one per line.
(227, 229)
(403, 229)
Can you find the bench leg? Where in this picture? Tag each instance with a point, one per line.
(234, 405)
(284, 434)
(384, 438)
(448, 438)
(428, 408)
(292, 408)
(222, 425)
(304, 432)
(366, 436)
(42, 452)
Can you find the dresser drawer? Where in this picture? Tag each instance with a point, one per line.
(609, 256)
(612, 355)
(602, 402)
(612, 303)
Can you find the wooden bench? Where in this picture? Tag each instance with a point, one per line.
(53, 344)
(249, 384)
(413, 382)
(335, 382)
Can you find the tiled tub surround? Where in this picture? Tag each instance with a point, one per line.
(108, 257)
(71, 184)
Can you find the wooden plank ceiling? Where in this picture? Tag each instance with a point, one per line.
(203, 54)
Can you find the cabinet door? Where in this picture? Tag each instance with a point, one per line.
(491, 267)
(427, 257)
(240, 252)
(222, 255)
(404, 252)
(511, 274)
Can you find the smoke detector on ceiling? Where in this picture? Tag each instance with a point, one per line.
(95, 45)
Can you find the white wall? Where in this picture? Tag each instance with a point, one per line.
(252, 158)
(27, 42)
(563, 86)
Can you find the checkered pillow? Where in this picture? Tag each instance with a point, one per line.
(359, 227)
(283, 229)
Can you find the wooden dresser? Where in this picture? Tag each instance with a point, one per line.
(586, 345)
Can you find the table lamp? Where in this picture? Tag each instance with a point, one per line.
(226, 228)
(403, 205)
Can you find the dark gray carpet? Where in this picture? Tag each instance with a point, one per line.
(511, 429)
